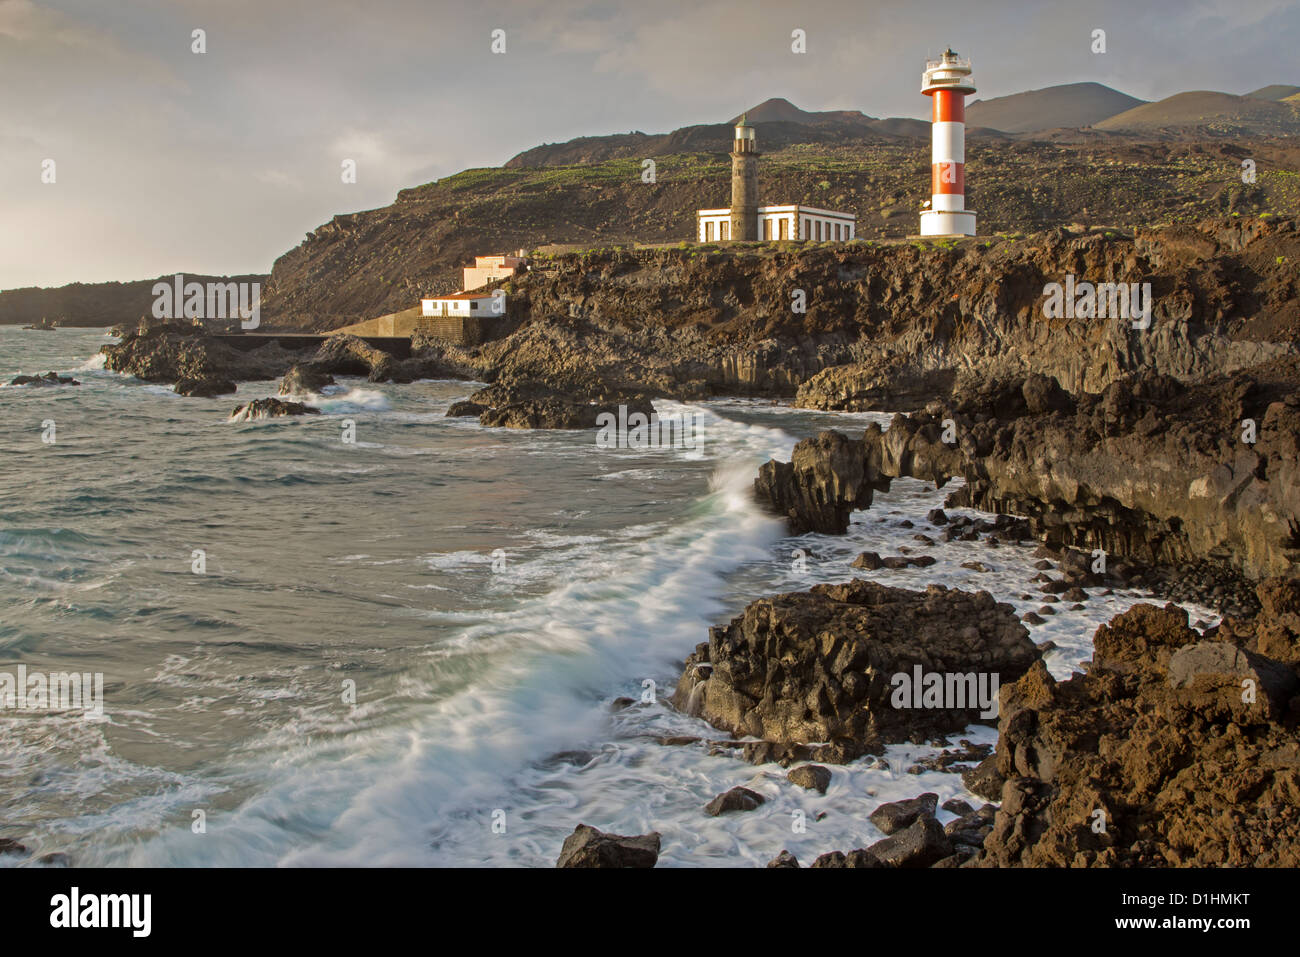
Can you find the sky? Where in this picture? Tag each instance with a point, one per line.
(166, 159)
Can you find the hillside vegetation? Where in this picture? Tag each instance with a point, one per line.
(370, 263)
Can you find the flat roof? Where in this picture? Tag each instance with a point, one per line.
(458, 295)
(816, 211)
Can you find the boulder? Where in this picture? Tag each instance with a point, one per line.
(540, 406)
(984, 780)
(862, 858)
(921, 844)
(185, 352)
(784, 859)
(820, 487)
(465, 409)
(812, 777)
(826, 665)
(896, 815)
(206, 387)
(588, 847)
(50, 378)
(270, 409)
(304, 378)
(737, 799)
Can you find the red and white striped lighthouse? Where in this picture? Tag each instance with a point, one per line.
(947, 81)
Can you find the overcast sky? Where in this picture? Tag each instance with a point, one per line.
(169, 160)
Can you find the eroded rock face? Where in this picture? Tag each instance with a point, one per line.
(819, 666)
(1185, 746)
(185, 353)
(465, 409)
(820, 486)
(588, 847)
(270, 409)
(345, 354)
(207, 388)
(885, 383)
(303, 378)
(1149, 469)
(538, 406)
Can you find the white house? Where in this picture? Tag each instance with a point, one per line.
(781, 222)
(464, 304)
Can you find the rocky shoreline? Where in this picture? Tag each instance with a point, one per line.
(1166, 458)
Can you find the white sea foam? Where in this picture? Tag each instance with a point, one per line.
(354, 400)
(414, 776)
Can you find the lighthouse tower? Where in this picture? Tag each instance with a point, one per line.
(744, 184)
(947, 81)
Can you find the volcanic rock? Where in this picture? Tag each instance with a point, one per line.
(819, 666)
(185, 352)
(897, 815)
(205, 387)
(812, 777)
(269, 409)
(304, 378)
(921, 844)
(540, 406)
(1184, 746)
(737, 799)
(465, 408)
(588, 847)
(984, 780)
(784, 859)
(50, 378)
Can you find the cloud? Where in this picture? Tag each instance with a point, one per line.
(222, 161)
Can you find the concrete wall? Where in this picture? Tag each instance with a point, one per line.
(394, 324)
(460, 330)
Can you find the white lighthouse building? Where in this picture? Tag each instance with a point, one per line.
(947, 81)
(745, 220)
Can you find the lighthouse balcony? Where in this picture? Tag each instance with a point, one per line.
(947, 80)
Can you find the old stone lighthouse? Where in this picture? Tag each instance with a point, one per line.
(745, 220)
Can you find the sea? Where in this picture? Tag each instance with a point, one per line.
(380, 636)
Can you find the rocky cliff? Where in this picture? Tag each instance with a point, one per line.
(1150, 469)
(886, 326)
(1175, 749)
(365, 264)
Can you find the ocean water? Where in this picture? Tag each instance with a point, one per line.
(402, 650)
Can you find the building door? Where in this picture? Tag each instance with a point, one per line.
(724, 229)
(785, 228)
(708, 231)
